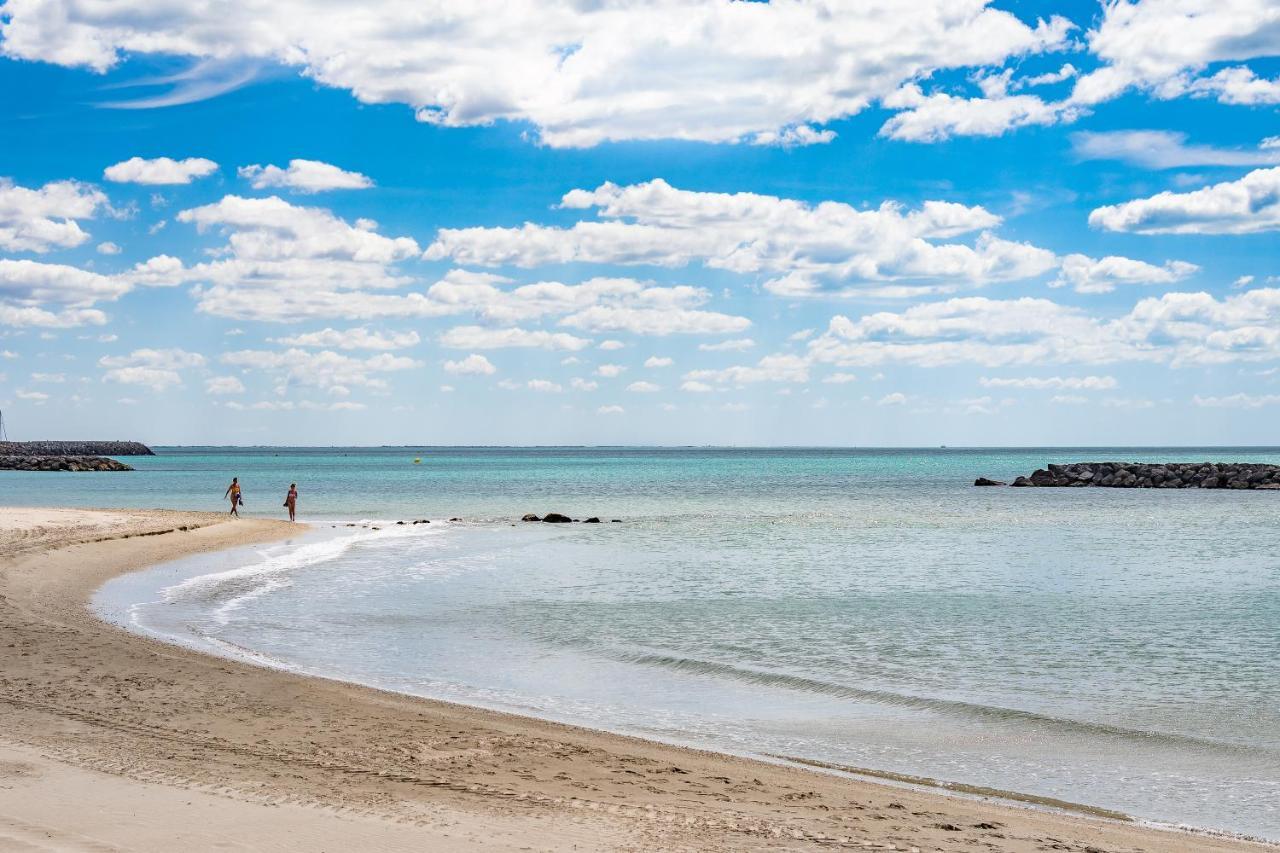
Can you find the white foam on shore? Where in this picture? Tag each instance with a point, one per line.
(231, 589)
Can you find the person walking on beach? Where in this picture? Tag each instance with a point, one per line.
(233, 491)
(291, 500)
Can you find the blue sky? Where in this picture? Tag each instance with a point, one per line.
(687, 223)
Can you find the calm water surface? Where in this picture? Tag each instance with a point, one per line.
(870, 608)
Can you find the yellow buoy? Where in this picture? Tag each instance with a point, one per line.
(417, 461)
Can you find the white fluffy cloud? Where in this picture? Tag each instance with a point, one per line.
(1163, 46)
(157, 369)
(306, 176)
(273, 245)
(159, 171)
(805, 246)
(56, 295)
(472, 365)
(938, 116)
(1237, 401)
(352, 272)
(1165, 149)
(1041, 383)
(771, 368)
(1092, 275)
(40, 220)
(644, 387)
(223, 385)
(348, 339)
(580, 73)
(479, 337)
(731, 345)
(325, 369)
(657, 361)
(1176, 329)
(1245, 206)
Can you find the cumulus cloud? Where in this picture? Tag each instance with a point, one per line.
(223, 385)
(157, 369)
(38, 294)
(472, 365)
(159, 171)
(610, 371)
(1164, 47)
(1091, 275)
(1164, 149)
(349, 339)
(807, 247)
(771, 368)
(939, 116)
(325, 369)
(658, 361)
(305, 176)
(1041, 383)
(732, 345)
(478, 337)
(580, 74)
(272, 245)
(1245, 206)
(794, 137)
(40, 220)
(352, 272)
(643, 387)
(610, 410)
(1175, 328)
(1237, 401)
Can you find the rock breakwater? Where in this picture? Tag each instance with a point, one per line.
(74, 448)
(61, 463)
(1150, 475)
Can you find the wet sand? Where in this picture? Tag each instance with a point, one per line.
(111, 741)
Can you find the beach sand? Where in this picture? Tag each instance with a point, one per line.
(111, 741)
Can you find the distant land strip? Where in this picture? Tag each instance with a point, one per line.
(74, 448)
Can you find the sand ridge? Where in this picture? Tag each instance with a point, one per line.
(273, 760)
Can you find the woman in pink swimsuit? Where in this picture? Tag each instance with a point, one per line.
(291, 500)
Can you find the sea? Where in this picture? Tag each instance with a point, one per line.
(860, 608)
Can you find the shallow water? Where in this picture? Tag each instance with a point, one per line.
(869, 608)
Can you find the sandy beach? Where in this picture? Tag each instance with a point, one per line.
(111, 741)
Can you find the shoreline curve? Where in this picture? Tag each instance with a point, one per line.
(87, 697)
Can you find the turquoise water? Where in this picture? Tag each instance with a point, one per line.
(870, 608)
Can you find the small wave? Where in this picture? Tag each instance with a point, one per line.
(227, 591)
(954, 707)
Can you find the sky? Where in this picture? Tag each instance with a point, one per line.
(735, 223)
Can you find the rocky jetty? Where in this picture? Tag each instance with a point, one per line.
(1149, 475)
(74, 448)
(61, 463)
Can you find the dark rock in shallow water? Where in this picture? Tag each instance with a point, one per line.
(61, 463)
(983, 481)
(592, 520)
(556, 518)
(528, 516)
(1145, 475)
